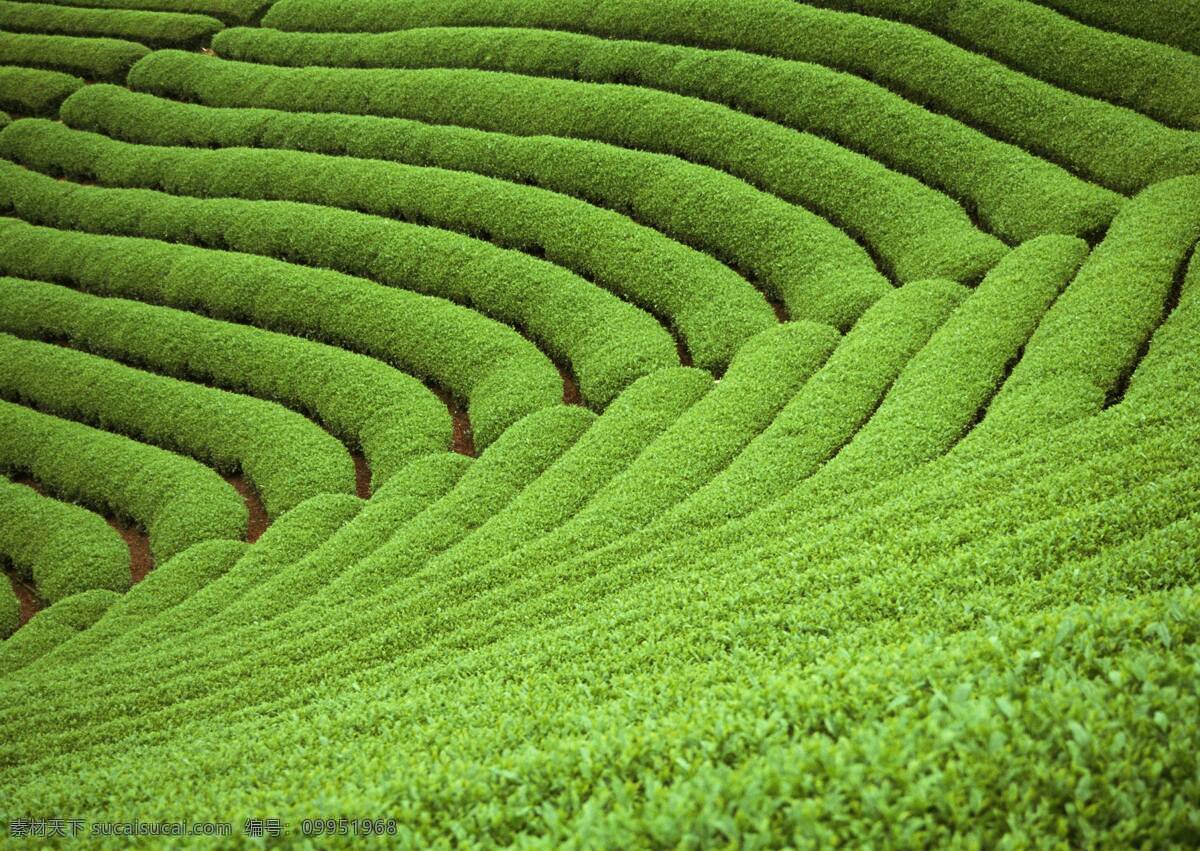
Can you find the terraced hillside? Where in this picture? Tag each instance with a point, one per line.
(601, 423)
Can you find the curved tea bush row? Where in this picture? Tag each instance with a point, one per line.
(826, 412)
(816, 270)
(1101, 142)
(287, 457)
(230, 11)
(1171, 367)
(714, 309)
(154, 29)
(63, 548)
(1167, 21)
(93, 58)
(1089, 342)
(607, 342)
(176, 500)
(1151, 78)
(501, 375)
(372, 645)
(916, 231)
(948, 383)
(1014, 194)
(33, 91)
(165, 586)
(391, 416)
(53, 626)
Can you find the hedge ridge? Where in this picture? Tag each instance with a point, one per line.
(1167, 21)
(714, 309)
(153, 29)
(500, 374)
(1151, 78)
(103, 59)
(915, 230)
(1090, 340)
(1013, 193)
(392, 417)
(63, 548)
(816, 270)
(607, 342)
(52, 626)
(230, 11)
(285, 456)
(1107, 144)
(34, 91)
(178, 501)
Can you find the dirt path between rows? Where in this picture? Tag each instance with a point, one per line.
(258, 521)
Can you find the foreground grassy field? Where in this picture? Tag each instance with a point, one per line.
(621, 423)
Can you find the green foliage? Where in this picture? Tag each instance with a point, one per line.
(284, 455)
(176, 500)
(10, 611)
(230, 11)
(817, 271)
(1150, 78)
(1113, 146)
(63, 548)
(714, 309)
(1015, 194)
(499, 374)
(102, 59)
(52, 626)
(390, 416)
(154, 29)
(916, 231)
(1174, 22)
(32, 91)
(607, 342)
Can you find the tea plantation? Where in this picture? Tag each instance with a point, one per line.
(600, 423)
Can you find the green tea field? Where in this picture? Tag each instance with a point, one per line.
(600, 424)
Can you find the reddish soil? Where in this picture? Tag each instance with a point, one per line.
(571, 395)
(362, 476)
(463, 440)
(30, 604)
(141, 561)
(685, 357)
(258, 514)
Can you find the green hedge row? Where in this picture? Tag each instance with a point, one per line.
(498, 373)
(607, 342)
(54, 625)
(1013, 193)
(915, 231)
(314, 538)
(817, 271)
(1089, 342)
(33, 91)
(713, 309)
(392, 417)
(102, 59)
(230, 11)
(176, 500)
(63, 548)
(517, 605)
(430, 507)
(1171, 366)
(1110, 145)
(164, 587)
(285, 456)
(1174, 22)
(1150, 78)
(153, 29)
(948, 384)
(827, 411)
